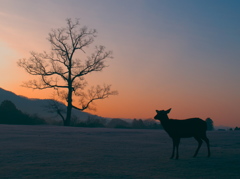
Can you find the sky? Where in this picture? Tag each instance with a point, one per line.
(174, 54)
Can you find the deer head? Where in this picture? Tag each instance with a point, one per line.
(162, 115)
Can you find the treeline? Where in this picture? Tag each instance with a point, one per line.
(119, 123)
(235, 129)
(129, 124)
(9, 114)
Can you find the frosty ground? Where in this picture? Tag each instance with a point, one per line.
(71, 152)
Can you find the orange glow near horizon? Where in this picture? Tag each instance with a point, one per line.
(130, 108)
(174, 58)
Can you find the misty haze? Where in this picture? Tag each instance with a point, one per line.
(86, 89)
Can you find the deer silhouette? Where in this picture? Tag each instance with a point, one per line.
(177, 129)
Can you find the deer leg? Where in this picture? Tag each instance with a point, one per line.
(173, 149)
(199, 145)
(208, 147)
(177, 144)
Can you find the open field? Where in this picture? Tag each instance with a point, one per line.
(69, 152)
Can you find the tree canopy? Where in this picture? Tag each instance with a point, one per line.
(64, 68)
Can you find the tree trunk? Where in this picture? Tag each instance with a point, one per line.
(67, 121)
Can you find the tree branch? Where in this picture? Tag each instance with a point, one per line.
(60, 69)
(95, 93)
(54, 107)
(94, 63)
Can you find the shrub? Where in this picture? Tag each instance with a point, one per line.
(9, 114)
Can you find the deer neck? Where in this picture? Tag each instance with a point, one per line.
(165, 118)
(164, 121)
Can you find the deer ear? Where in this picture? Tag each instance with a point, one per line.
(168, 111)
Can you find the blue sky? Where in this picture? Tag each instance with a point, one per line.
(167, 53)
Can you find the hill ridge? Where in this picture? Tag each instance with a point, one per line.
(36, 106)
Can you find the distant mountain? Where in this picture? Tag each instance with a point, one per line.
(36, 106)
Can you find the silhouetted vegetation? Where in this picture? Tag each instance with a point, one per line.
(9, 114)
(64, 71)
(134, 124)
(210, 126)
(151, 124)
(118, 123)
(138, 124)
(92, 122)
(236, 129)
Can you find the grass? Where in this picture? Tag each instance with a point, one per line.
(71, 152)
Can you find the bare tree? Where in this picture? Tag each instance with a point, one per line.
(63, 70)
(57, 108)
